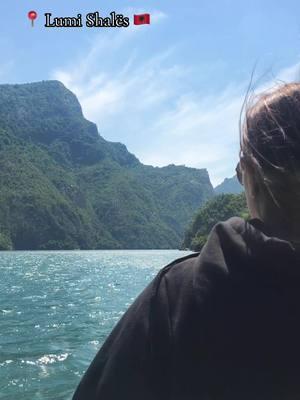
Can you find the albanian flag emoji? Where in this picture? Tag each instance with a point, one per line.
(141, 19)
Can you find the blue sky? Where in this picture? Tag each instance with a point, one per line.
(171, 91)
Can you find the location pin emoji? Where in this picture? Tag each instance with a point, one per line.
(32, 15)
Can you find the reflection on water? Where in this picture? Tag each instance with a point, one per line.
(57, 308)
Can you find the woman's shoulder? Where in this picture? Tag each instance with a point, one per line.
(236, 250)
(199, 272)
(225, 237)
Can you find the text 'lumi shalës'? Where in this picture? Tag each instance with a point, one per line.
(92, 20)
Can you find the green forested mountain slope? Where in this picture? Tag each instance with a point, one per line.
(220, 208)
(229, 185)
(62, 186)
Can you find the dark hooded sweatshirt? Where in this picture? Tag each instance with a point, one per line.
(220, 324)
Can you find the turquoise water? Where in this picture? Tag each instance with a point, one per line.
(57, 308)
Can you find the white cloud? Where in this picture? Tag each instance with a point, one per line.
(148, 105)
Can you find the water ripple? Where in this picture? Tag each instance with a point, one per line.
(58, 307)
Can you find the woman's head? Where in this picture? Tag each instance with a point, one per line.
(270, 158)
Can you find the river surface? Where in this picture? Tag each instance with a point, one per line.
(57, 308)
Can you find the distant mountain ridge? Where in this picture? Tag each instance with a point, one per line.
(229, 185)
(63, 186)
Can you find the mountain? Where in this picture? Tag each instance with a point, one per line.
(229, 185)
(220, 208)
(63, 186)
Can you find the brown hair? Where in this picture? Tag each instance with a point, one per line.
(270, 141)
